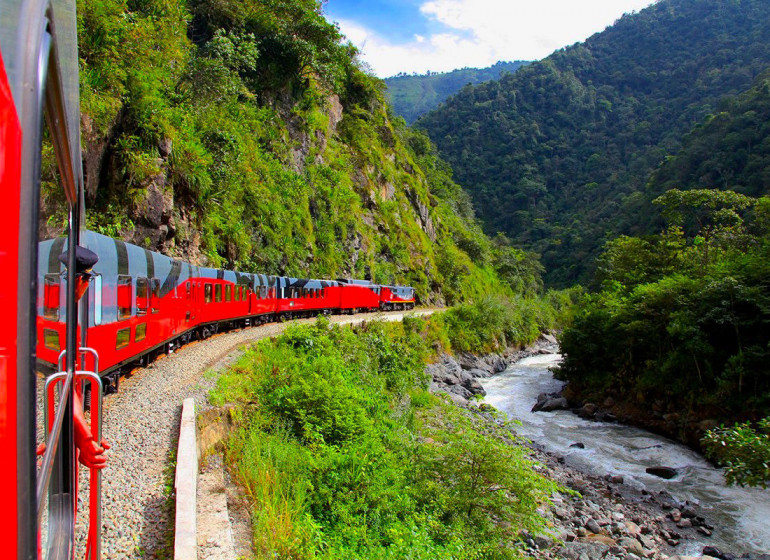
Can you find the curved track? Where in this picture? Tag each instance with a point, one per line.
(141, 423)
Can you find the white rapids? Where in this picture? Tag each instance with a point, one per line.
(741, 516)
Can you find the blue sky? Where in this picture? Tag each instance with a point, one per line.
(441, 35)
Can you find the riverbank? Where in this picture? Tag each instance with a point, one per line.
(611, 518)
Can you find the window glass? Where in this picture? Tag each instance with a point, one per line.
(218, 293)
(263, 291)
(51, 295)
(141, 332)
(228, 293)
(125, 297)
(97, 300)
(142, 295)
(51, 339)
(237, 293)
(155, 295)
(207, 293)
(123, 338)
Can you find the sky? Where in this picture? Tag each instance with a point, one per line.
(441, 35)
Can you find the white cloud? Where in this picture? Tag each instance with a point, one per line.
(481, 32)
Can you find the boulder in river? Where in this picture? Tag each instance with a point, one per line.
(547, 402)
(588, 410)
(558, 403)
(578, 445)
(662, 472)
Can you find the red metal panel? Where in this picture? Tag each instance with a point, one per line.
(10, 174)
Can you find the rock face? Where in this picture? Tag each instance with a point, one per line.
(449, 376)
(458, 376)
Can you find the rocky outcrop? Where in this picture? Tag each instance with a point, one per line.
(461, 384)
(423, 212)
(458, 376)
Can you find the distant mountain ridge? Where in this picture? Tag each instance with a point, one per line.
(558, 154)
(413, 96)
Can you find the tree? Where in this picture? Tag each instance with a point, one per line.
(743, 450)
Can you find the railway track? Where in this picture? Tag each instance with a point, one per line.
(141, 423)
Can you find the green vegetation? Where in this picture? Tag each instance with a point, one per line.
(246, 136)
(413, 96)
(344, 454)
(680, 321)
(744, 451)
(558, 154)
(730, 149)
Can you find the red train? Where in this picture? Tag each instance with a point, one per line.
(139, 301)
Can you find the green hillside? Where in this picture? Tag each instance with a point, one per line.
(245, 136)
(558, 154)
(729, 150)
(413, 96)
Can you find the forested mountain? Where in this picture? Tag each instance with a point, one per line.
(729, 150)
(244, 135)
(413, 96)
(558, 154)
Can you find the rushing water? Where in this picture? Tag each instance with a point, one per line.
(741, 516)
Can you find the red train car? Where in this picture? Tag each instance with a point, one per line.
(140, 302)
(396, 297)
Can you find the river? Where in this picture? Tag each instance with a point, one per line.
(741, 516)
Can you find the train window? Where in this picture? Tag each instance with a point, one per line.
(155, 295)
(51, 339)
(237, 293)
(207, 293)
(125, 293)
(263, 292)
(218, 293)
(97, 300)
(141, 332)
(123, 338)
(228, 293)
(142, 295)
(51, 295)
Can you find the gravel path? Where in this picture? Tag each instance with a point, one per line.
(141, 423)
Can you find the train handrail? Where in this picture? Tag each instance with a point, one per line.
(81, 351)
(54, 434)
(94, 540)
